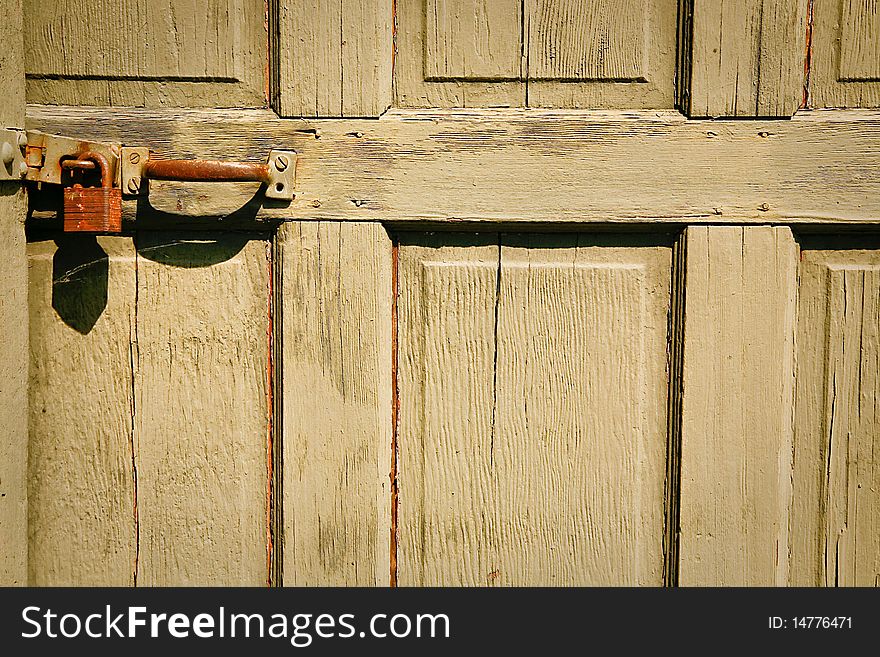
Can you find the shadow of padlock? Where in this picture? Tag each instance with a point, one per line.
(93, 209)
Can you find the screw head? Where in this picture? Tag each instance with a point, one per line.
(22, 169)
(7, 153)
(22, 140)
(134, 158)
(281, 162)
(133, 185)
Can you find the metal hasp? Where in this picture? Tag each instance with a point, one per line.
(278, 173)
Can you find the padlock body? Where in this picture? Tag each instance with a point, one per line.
(92, 209)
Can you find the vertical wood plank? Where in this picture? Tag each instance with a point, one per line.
(836, 510)
(473, 40)
(202, 408)
(533, 410)
(747, 57)
(845, 61)
(336, 402)
(82, 514)
(13, 318)
(334, 58)
(737, 402)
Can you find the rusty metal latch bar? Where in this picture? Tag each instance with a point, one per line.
(278, 173)
(38, 157)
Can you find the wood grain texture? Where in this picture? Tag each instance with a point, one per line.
(82, 511)
(541, 53)
(479, 42)
(447, 524)
(149, 412)
(533, 410)
(605, 54)
(836, 510)
(738, 379)
(845, 61)
(13, 319)
(467, 40)
(146, 53)
(336, 368)
(333, 57)
(746, 58)
(515, 166)
(201, 409)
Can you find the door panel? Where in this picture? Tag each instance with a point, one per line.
(149, 409)
(837, 419)
(540, 53)
(845, 62)
(146, 53)
(533, 392)
(81, 480)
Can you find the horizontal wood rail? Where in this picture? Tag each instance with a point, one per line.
(517, 166)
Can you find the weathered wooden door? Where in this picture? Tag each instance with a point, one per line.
(541, 312)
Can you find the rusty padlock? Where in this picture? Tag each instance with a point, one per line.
(93, 209)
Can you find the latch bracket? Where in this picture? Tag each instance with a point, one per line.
(12, 149)
(278, 173)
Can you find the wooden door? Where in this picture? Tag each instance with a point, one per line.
(541, 311)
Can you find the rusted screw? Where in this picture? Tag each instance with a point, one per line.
(134, 158)
(133, 185)
(281, 162)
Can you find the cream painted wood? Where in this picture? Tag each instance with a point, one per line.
(746, 57)
(332, 58)
(202, 409)
(81, 481)
(539, 53)
(13, 319)
(473, 40)
(836, 510)
(737, 387)
(149, 410)
(335, 336)
(146, 53)
(845, 61)
(529, 167)
(470, 48)
(447, 524)
(601, 54)
(533, 410)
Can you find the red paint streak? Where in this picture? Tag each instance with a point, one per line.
(270, 412)
(808, 55)
(395, 411)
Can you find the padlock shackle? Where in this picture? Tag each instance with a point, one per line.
(98, 159)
